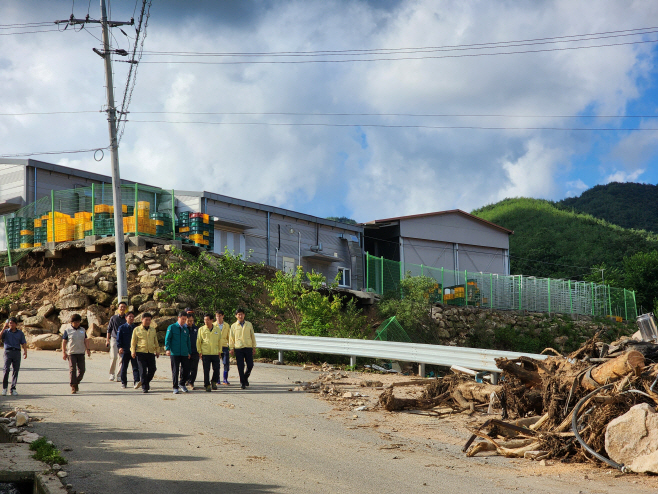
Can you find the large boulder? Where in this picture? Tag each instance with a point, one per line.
(30, 330)
(96, 315)
(94, 330)
(150, 306)
(106, 286)
(148, 279)
(68, 290)
(87, 279)
(46, 310)
(632, 439)
(65, 316)
(168, 311)
(72, 301)
(97, 296)
(159, 295)
(162, 323)
(98, 344)
(41, 322)
(45, 341)
(138, 300)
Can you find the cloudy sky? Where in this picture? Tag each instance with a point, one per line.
(426, 123)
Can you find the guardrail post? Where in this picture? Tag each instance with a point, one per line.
(281, 356)
(494, 377)
(421, 370)
(353, 360)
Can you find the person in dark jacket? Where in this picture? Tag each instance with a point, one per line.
(193, 364)
(124, 337)
(112, 328)
(177, 347)
(13, 340)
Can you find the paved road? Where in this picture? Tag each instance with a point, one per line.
(262, 440)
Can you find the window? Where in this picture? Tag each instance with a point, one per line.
(345, 279)
(289, 265)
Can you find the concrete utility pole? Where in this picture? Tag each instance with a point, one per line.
(106, 54)
(120, 248)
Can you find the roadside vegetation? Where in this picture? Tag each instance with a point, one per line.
(46, 452)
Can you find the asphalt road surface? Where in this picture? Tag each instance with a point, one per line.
(261, 440)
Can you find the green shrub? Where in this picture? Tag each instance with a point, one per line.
(47, 453)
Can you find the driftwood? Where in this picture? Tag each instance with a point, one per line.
(529, 378)
(388, 400)
(630, 363)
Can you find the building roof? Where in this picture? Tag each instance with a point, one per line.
(271, 209)
(65, 170)
(439, 213)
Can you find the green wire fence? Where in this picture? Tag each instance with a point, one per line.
(495, 291)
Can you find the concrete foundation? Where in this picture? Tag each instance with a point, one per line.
(17, 465)
(11, 274)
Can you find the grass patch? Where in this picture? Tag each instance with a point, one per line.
(47, 453)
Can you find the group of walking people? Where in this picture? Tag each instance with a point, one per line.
(185, 344)
(137, 345)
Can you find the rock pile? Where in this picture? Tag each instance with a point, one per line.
(92, 293)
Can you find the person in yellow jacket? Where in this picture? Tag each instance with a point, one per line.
(208, 344)
(242, 341)
(225, 329)
(145, 348)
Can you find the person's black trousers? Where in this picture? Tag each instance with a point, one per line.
(192, 368)
(146, 364)
(242, 356)
(179, 365)
(210, 360)
(125, 359)
(13, 362)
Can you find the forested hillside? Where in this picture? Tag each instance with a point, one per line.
(553, 242)
(629, 205)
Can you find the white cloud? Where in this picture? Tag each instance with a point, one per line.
(575, 187)
(621, 176)
(368, 172)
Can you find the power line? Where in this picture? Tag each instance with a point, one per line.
(423, 49)
(434, 57)
(446, 127)
(22, 155)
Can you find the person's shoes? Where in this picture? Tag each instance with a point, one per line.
(124, 386)
(14, 393)
(214, 385)
(176, 391)
(137, 384)
(4, 392)
(246, 381)
(77, 389)
(244, 387)
(145, 390)
(225, 383)
(183, 388)
(209, 389)
(112, 377)
(73, 390)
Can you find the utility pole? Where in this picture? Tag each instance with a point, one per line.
(106, 54)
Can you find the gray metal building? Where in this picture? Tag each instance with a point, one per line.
(454, 240)
(278, 237)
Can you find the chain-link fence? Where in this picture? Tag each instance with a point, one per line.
(496, 291)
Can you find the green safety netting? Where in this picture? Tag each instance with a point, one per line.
(391, 330)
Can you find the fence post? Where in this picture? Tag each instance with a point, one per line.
(52, 209)
(625, 306)
(465, 288)
(549, 296)
(520, 278)
(7, 239)
(442, 287)
(609, 301)
(135, 211)
(93, 207)
(490, 291)
(635, 303)
(570, 299)
(422, 271)
(381, 277)
(173, 215)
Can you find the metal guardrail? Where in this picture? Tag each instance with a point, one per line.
(472, 358)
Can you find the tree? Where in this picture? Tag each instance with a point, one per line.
(300, 307)
(213, 282)
(342, 219)
(642, 276)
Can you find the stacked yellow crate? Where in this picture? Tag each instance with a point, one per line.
(80, 220)
(64, 227)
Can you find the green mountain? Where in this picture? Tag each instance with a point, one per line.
(552, 242)
(629, 205)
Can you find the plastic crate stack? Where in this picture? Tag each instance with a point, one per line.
(197, 229)
(183, 226)
(64, 227)
(81, 224)
(40, 231)
(15, 227)
(103, 219)
(145, 225)
(162, 223)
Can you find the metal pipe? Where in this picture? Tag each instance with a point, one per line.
(268, 239)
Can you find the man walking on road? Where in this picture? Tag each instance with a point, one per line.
(112, 329)
(13, 339)
(124, 339)
(145, 348)
(243, 341)
(177, 346)
(208, 345)
(193, 364)
(224, 328)
(74, 345)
